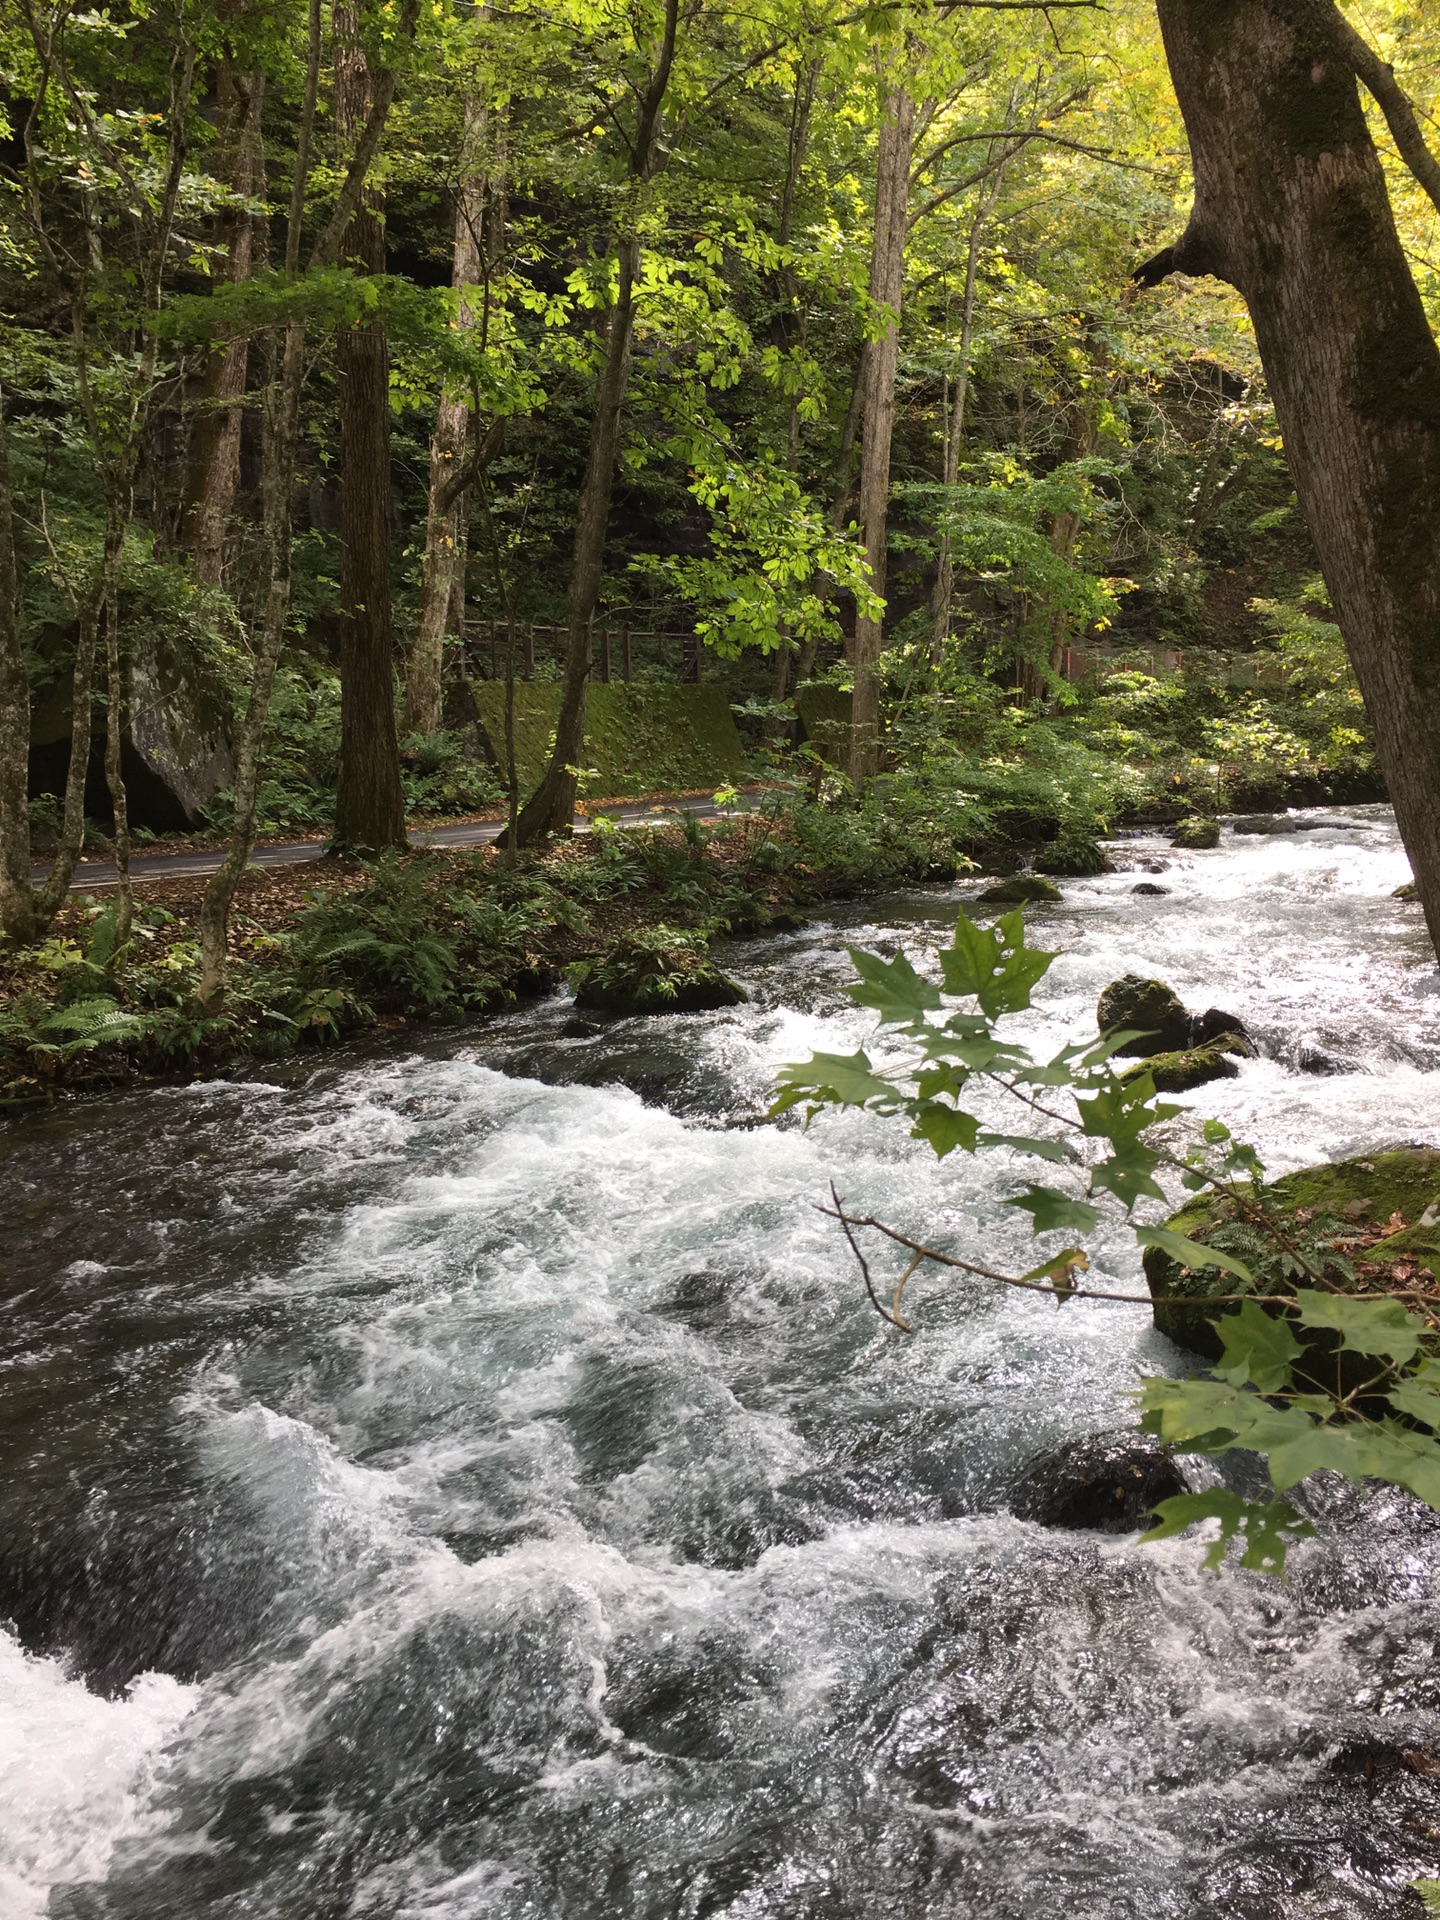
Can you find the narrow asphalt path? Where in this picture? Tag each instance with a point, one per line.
(468, 833)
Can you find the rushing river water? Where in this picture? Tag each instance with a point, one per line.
(465, 1479)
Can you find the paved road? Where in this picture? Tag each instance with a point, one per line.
(469, 833)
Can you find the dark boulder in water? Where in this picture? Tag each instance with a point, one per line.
(1150, 1008)
(1149, 888)
(1111, 1482)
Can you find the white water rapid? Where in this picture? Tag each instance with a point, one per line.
(465, 1480)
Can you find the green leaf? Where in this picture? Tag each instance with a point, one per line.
(945, 1127)
(1365, 1326)
(1027, 1143)
(1129, 1174)
(1417, 1400)
(1061, 1271)
(1429, 1892)
(1192, 1253)
(832, 1079)
(893, 988)
(1266, 1527)
(1055, 1212)
(968, 963)
(1260, 1349)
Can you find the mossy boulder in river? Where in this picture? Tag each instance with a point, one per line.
(1018, 890)
(1074, 859)
(1391, 1200)
(1167, 1029)
(655, 970)
(1191, 1067)
(1196, 832)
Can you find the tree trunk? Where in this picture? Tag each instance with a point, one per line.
(887, 283)
(940, 605)
(1291, 209)
(446, 521)
(369, 801)
(551, 808)
(17, 899)
(214, 466)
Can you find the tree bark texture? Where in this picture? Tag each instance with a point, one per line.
(551, 808)
(214, 465)
(369, 801)
(446, 520)
(887, 282)
(1291, 209)
(17, 900)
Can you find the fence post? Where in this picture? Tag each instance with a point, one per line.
(529, 649)
(625, 653)
(605, 655)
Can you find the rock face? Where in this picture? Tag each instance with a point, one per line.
(1107, 1481)
(1196, 832)
(175, 755)
(1405, 1182)
(1018, 890)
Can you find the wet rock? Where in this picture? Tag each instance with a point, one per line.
(1289, 823)
(1019, 889)
(1310, 1059)
(1259, 823)
(1108, 1481)
(699, 991)
(1149, 888)
(1196, 832)
(1215, 1024)
(1405, 1182)
(1191, 1067)
(1410, 891)
(1148, 1006)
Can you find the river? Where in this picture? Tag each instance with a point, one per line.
(462, 1477)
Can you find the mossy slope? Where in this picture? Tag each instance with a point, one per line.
(639, 738)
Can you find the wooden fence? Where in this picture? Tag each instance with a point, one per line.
(615, 650)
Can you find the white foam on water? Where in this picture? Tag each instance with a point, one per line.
(76, 1772)
(600, 1498)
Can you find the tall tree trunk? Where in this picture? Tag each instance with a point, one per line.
(214, 466)
(940, 605)
(551, 808)
(887, 285)
(281, 436)
(447, 517)
(370, 801)
(17, 899)
(1291, 209)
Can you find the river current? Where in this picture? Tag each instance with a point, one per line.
(463, 1478)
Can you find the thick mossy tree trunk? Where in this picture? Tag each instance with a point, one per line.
(1291, 209)
(443, 586)
(214, 465)
(369, 802)
(17, 900)
(887, 283)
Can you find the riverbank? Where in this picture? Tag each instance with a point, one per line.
(336, 946)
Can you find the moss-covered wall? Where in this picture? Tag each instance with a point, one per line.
(825, 715)
(640, 738)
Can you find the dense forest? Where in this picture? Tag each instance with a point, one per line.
(355, 359)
